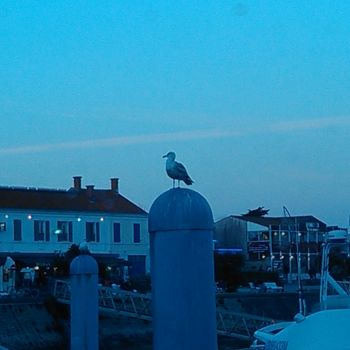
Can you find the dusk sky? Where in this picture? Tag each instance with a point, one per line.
(252, 96)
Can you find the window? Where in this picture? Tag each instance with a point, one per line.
(17, 230)
(137, 233)
(65, 231)
(2, 226)
(92, 232)
(137, 266)
(41, 230)
(253, 236)
(312, 236)
(265, 236)
(116, 232)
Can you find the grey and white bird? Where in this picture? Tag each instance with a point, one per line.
(176, 170)
(83, 247)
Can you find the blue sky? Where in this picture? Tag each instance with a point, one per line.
(253, 96)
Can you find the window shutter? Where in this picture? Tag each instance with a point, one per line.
(116, 232)
(89, 232)
(36, 229)
(70, 232)
(97, 231)
(17, 230)
(47, 231)
(137, 233)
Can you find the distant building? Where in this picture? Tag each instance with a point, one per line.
(38, 224)
(274, 243)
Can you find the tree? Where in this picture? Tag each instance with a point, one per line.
(228, 269)
(258, 212)
(71, 253)
(61, 263)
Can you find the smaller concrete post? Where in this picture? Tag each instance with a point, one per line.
(84, 303)
(182, 268)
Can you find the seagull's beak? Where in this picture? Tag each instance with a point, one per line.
(165, 156)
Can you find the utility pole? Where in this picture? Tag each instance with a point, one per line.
(302, 307)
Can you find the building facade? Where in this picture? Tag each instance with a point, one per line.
(274, 243)
(38, 223)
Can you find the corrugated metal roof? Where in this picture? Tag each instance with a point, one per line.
(275, 221)
(97, 200)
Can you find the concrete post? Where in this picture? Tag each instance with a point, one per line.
(183, 289)
(84, 303)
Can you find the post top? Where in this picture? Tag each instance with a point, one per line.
(180, 209)
(83, 264)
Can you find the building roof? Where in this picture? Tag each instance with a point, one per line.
(88, 200)
(276, 221)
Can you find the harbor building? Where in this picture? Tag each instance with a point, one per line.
(38, 224)
(274, 243)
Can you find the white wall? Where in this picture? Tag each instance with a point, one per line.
(252, 226)
(106, 245)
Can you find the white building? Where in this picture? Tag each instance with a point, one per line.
(38, 222)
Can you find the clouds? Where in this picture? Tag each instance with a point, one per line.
(309, 124)
(229, 132)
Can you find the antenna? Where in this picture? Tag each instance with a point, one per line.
(302, 307)
(286, 213)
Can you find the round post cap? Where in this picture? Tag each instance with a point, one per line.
(83, 264)
(180, 209)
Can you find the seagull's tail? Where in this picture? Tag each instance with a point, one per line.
(188, 180)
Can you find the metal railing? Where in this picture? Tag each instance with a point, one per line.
(239, 325)
(345, 285)
(131, 304)
(110, 299)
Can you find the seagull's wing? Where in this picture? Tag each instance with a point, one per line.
(181, 170)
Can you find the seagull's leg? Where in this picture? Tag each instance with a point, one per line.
(178, 183)
(173, 183)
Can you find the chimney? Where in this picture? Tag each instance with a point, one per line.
(89, 190)
(77, 182)
(115, 184)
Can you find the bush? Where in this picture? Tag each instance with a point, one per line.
(142, 284)
(228, 270)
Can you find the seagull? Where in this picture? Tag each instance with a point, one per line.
(83, 247)
(176, 170)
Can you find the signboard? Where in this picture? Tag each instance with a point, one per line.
(258, 247)
(277, 264)
(276, 345)
(312, 226)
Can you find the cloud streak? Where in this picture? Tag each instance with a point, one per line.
(266, 128)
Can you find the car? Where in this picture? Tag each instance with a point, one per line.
(272, 287)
